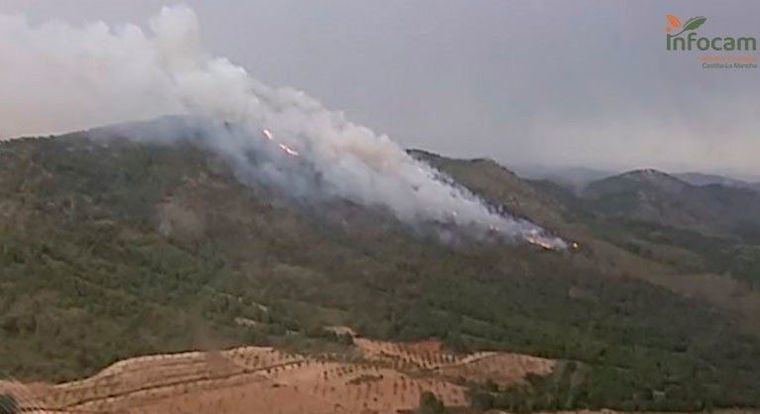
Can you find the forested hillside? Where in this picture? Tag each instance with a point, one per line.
(111, 248)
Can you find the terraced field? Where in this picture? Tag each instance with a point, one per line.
(385, 378)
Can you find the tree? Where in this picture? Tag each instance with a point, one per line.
(8, 404)
(429, 404)
(482, 401)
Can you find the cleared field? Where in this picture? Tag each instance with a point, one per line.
(500, 367)
(388, 379)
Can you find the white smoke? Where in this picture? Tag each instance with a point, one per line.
(56, 76)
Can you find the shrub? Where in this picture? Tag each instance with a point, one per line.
(8, 404)
(429, 404)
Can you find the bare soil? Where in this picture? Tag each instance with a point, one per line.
(388, 378)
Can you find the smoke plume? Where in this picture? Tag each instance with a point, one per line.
(57, 76)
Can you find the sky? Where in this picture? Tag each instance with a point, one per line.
(528, 83)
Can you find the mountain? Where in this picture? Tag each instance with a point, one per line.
(700, 179)
(654, 196)
(575, 178)
(114, 246)
(499, 185)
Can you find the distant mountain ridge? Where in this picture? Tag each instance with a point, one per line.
(574, 178)
(701, 179)
(577, 178)
(655, 196)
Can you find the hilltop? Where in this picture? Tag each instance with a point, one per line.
(654, 196)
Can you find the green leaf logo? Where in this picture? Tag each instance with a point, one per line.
(692, 24)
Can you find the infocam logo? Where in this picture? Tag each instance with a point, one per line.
(686, 37)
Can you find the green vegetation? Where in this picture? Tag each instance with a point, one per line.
(697, 253)
(430, 404)
(115, 249)
(576, 386)
(8, 404)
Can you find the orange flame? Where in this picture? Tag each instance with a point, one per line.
(288, 150)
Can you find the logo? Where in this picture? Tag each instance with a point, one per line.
(684, 37)
(674, 23)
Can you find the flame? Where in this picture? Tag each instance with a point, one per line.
(290, 151)
(539, 241)
(547, 244)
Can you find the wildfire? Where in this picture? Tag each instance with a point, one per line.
(549, 245)
(539, 241)
(288, 150)
(269, 136)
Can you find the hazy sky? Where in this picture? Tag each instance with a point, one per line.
(582, 83)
